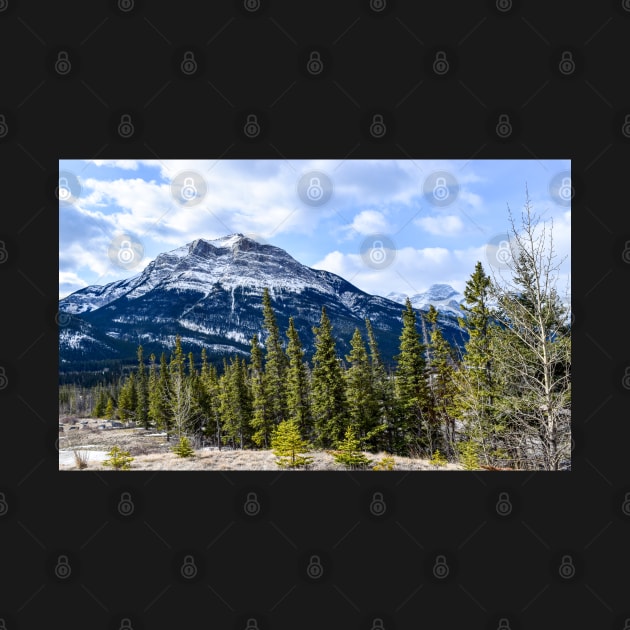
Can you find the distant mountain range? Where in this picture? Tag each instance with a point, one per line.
(210, 293)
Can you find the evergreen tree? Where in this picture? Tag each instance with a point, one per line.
(440, 367)
(211, 399)
(128, 399)
(383, 392)
(288, 445)
(101, 404)
(363, 407)
(159, 410)
(195, 421)
(411, 386)
(235, 405)
(110, 409)
(275, 364)
(142, 406)
(475, 382)
(349, 451)
(298, 394)
(327, 384)
(262, 419)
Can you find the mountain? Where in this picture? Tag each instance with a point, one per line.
(443, 297)
(210, 293)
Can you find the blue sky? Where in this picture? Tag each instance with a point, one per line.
(384, 225)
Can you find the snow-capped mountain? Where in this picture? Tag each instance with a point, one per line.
(443, 297)
(210, 293)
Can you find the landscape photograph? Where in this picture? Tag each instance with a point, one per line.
(315, 315)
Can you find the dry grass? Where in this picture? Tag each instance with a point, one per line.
(151, 451)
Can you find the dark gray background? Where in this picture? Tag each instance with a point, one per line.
(129, 567)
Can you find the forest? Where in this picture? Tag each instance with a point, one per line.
(503, 402)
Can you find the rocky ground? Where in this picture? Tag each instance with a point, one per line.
(92, 438)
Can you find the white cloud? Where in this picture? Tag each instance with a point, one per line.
(441, 226)
(131, 165)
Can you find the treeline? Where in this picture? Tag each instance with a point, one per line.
(505, 402)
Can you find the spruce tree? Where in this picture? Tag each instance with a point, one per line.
(128, 399)
(159, 411)
(328, 388)
(110, 409)
(142, 406)
(289, 446)
(262, 419)
(363, 408)
(212, 400)
(475, 382)
(349, 452)
(101, 404)
(440, 367)
(235, 405)
(298, 387)
(275, 363)
(411, 386)
(383, 392)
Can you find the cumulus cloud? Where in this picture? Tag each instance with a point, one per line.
(441, 226)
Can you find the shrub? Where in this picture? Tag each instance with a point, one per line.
(183, 447)
(468, 455)
(81, 458)
(386, 463)
(437, 459)
(118, 459)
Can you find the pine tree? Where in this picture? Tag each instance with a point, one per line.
(475, 382)
(183, 447)
(110, 409)
(288, 445)
(262, 419)
(411, 386)
(142, 406)
(275, 363)
(101, 404)
(298, 392)
(195, 421)
(235, 405)
(384, 394)
(211, 399)
(362, 401)
(327, 384)
(128, 399)
(349, 451)
(159, 411)
(440, 368)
